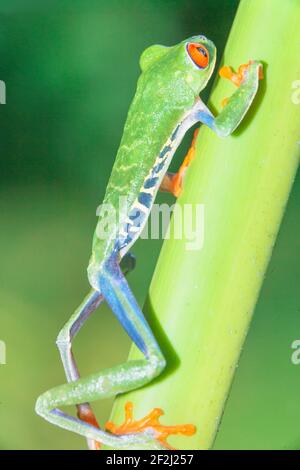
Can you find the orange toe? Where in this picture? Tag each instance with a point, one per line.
(226, 72)
(235, 78)
(150, 421)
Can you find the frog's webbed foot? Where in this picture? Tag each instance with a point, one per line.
(236, 78)
(150, 421)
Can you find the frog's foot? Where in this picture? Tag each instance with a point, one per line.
(85, 414)
(150, 421)
(173, 182)
(236, 78)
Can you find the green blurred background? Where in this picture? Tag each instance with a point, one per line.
(70, 69)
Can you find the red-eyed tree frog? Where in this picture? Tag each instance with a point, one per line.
(166, 104)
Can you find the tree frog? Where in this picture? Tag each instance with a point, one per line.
(166, 104)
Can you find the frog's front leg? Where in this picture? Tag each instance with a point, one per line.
(247, 80)
(113, 286)
(226, 122)
(236, 78)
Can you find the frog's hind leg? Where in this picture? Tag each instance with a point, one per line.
(69, 331)
(64, 344)
(110, 382)
(122, 302)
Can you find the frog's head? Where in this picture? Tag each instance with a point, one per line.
(200, 57)
(193, 59)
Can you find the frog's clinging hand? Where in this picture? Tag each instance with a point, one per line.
(165, 106)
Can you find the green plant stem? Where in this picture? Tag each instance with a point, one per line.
(201, 302)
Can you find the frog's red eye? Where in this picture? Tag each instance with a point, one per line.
(199, 54)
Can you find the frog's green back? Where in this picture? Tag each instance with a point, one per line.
(152, 117)
(164, 95)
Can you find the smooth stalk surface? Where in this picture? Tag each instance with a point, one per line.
(201, 302)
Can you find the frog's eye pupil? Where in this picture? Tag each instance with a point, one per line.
(199, 54)
(203, 51)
